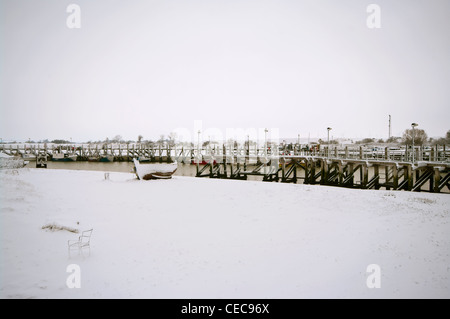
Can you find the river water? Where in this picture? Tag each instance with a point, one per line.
(124, 167)
(183, 169)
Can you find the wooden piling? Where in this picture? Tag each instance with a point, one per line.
(437, 180)
(409, 176)
(394, 177)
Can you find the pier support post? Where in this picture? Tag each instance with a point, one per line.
(225, 162)
(394, 177)
(436, 181)
(294, 179)
(376, 172)
(324, 168)
(350, 174)
(364, 176)
(312, 176)
(387, 178)
(341, 172)
(409, 176)
(307, 171)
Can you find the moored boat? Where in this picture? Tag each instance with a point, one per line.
(203, 161)
(154, 170)
(64, 157)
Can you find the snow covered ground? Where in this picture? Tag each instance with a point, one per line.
(203, 238)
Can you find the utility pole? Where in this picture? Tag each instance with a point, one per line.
(413, 125)
(198, 147)
(265, 141)
(328, 141)
(248, 145)
(389, 135)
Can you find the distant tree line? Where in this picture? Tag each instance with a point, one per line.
(420, 138)
(60, 142)
(441, 140)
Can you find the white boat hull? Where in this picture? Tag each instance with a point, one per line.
(64, 157)
(153, 170)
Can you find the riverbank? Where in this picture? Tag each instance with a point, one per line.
(205, 238)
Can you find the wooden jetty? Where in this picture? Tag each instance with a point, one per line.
(374, 170)
(170, 153)
(356, 167)
(352, 173)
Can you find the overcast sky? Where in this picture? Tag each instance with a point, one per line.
(151, 67)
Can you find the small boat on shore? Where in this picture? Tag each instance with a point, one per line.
(64, 157)
(154, 170)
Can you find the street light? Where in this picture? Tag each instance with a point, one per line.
(198, 145)
(265, 140)
(328, 131)
(413, 125)
(328, 140)
(209, 143)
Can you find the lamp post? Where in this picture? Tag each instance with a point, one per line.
(328, 140)
(248, 145)
(198, 145)
(209, 144)
(265, 141)
(413, 125)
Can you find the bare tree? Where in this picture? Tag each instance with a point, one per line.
(392, 139)
(117, 139)
(162, 139)
(140, 137)
(442, 140)
(420, 137)
(172, 138)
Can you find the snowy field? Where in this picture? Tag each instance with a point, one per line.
(203, 238)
